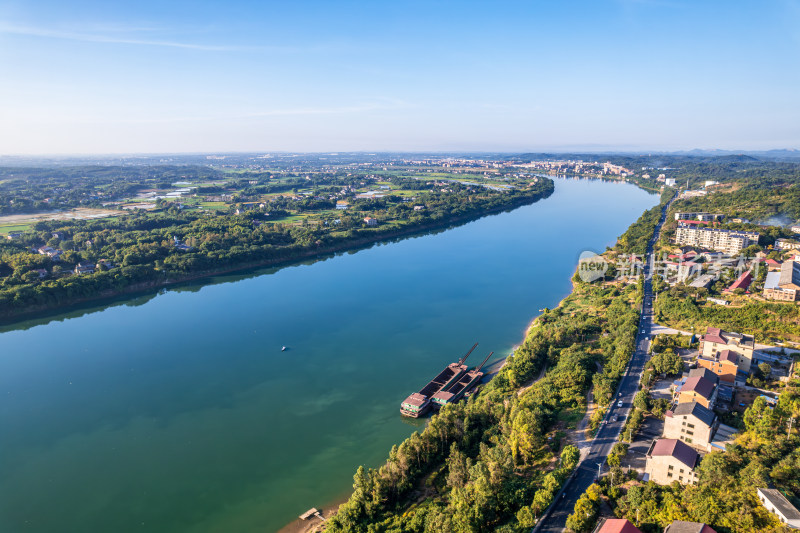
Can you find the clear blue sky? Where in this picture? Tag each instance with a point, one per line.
(158, 76)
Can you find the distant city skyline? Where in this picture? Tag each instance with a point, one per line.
(624, 75)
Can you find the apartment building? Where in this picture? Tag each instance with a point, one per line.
(702, 217)
(729, 241)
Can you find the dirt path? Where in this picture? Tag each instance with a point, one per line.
(578, 435)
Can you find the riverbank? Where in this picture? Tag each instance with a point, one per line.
(12, 316)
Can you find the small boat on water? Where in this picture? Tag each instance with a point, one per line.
(283, 348)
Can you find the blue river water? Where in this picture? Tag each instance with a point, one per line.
(178, 411)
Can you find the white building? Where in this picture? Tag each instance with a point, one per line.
(729, 241)
(777, 504)
(703, 217)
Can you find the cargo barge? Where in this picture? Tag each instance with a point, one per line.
(457, 390)
(449, 386)
(419, 403)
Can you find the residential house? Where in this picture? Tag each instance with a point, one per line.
(795, 229)
(41, 272)
(697, 389)
(369, 221)
(729, 241)
(84, 267)
(742, 282)
(701, 372)
(671, 460)
(772, 265)
(615, 525)
(784, 285)
(14, 235)
(419, 208)
(777, 504)
(691, 423)
(716, 340)
(679, 526)
(49, 252)
(725, 365)
(342, 205)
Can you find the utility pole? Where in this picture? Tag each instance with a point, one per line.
(789, 432)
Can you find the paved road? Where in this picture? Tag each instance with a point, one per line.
(607, 436)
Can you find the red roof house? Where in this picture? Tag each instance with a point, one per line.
(743, 282)
(616, 525)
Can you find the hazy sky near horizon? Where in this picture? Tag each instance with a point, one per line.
(175, 76)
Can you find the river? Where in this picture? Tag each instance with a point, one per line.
(180, 412)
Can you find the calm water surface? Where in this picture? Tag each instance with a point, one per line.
(180, 412)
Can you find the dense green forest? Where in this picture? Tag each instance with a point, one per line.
(495, 461)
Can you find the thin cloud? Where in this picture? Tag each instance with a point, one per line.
(47, 33)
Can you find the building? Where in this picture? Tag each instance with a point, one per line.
(742, 282)
(615, 525)
(703, 282)
(341, 204)
(772, 265)
(669, 182)
(716, 340)
(50, 252)
(671, 460)
(691, 423)
(702, 217)
(84, 267)
(704, 373)
(14, 235)
(795, 228)
(786, 244)
(698, 389)
(729, 241)
(679, 526)
(785, 284)
(369, 221)
(777, 504)
(725, 365)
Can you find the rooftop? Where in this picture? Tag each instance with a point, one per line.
(704, 414)
(675, 448)
(702, 386)
(779, 501)
(679, 526)
(616, 525)
(704, 373)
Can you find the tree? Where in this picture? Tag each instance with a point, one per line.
(641, 401)
(586, 509)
